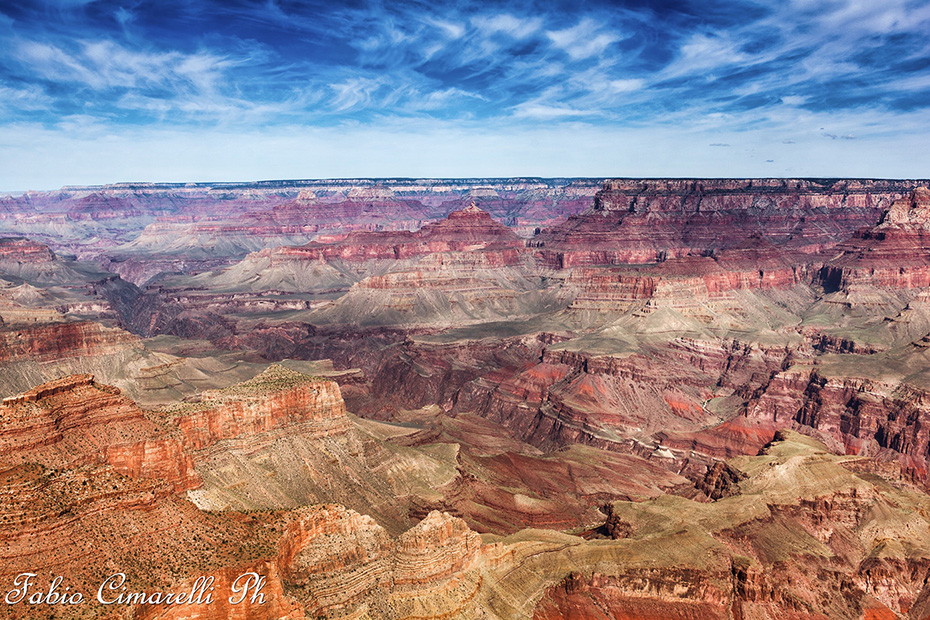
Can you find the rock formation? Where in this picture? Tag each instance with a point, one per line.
(21, 250)
(75, 421)
(893, 253)
(694, 399)
(55, 341)
(649, 221)
(273, 399)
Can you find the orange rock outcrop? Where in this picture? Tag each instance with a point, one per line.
(273, 399)
(75, 421)
(341, 562)
(62, 340)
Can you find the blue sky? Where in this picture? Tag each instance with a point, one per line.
(96, 91)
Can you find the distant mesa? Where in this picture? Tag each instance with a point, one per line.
(23, 250)
(483, 192)
(467, 229)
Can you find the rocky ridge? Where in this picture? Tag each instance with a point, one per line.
(667, 557)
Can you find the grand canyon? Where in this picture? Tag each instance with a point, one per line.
(386, 399)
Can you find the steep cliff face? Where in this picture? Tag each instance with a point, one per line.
(695, 286)
(469, 229)
(159, 459)
(276, 398)
(336, 558)
(682, 594)
(338, 209)
(650, 221)
(435, 549)
(55, 341)
(75, 421)
(341, 563)
(103, 206)
(68, 422)
(894, 253)
(863, 416)
(21, 250)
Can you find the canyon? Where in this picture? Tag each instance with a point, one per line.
(476, 398)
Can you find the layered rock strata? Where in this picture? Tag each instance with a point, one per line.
(653, 220)
(895, 253)
(344, 563)
(54, 341)
(75, 421)
(274, 399)
(885, 420)
(21, 250)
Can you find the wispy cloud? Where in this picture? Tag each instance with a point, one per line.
(107, 65)
(27, 99)
(516, 27)
(541, 111)
(799, 72)
(583, 40)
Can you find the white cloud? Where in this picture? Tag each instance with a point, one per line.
(355, 93)
(516, 27)
(26, 99)
(583, 40)
(541, 111)
(439, 99)
(625, 86)
(794, 100)
(703, 52)
(912, 83)
(106, 64)
(448, 29)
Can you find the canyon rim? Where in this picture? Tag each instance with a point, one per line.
(594, 311)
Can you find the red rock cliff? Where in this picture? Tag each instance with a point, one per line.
(653, 220)
(895, 253)
(273, 399)
(55, 341)
(468, 230)
(24, 251)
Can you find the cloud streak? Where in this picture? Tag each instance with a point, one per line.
(790, 72)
